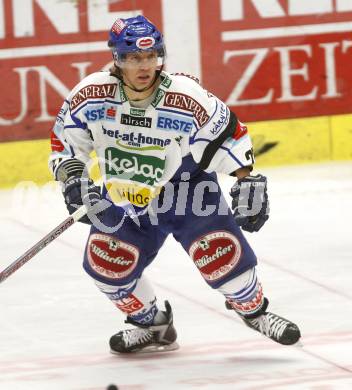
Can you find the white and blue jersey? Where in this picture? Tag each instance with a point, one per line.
(139, 150)
(184, 129)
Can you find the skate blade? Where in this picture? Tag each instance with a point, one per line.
(299, 344)
(150, 349)
(160, 348)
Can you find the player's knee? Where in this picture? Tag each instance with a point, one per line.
(218, 256)
(111, 260)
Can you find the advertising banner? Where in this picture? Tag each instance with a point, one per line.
(278, 59)
(47, 47)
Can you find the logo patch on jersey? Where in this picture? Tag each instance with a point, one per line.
(133, 166)
(187, 103)
(137, 111)
(111, 258)
(93, 92)
(93, 115)
(222, 117)
(159, 95)
(166, 82)
(138, 140)
(110, 113)
(174, 122)
(137, 194)
(216, 254)
(123, 96)
(135, 121)
(145, 42)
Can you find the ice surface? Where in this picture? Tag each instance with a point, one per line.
(55, 324)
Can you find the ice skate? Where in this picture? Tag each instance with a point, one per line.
(143, 339)
(271, 325)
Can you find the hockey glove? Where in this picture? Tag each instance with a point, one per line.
(250, 202)
(79, 190)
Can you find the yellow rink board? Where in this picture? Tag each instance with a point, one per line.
(24, 161)
(280, 142)
(303, 140)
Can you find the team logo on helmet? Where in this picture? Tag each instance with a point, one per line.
(145, 42)
(118, 26)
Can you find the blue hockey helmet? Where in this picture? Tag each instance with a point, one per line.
(133, 35)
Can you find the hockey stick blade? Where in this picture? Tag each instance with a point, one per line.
(56, 232)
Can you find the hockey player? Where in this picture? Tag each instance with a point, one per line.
(160, 139)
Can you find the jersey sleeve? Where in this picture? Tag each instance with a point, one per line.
(219, 141)
(70, 139)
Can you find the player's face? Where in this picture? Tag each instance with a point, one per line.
(139, 68)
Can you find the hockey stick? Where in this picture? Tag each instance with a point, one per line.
(79, 213)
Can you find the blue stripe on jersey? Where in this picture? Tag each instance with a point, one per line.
(232, 155)
(193, 136)
(75, 127)
(113, 102)
(78, 123)
(85, 104)
(175, 112)
(192, 141)
(72, 151)
(196, 126)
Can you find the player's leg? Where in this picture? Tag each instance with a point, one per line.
(116, 262)
(154, 330)
(227, 263)
(244, 295)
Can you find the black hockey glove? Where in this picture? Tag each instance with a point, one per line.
(79, 190)
(250, 202)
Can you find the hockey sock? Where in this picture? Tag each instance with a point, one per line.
(137, 300)
(244, 293)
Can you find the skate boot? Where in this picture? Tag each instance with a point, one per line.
(146, 338)
(271, 325)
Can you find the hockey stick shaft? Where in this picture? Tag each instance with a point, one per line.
(56, 232)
